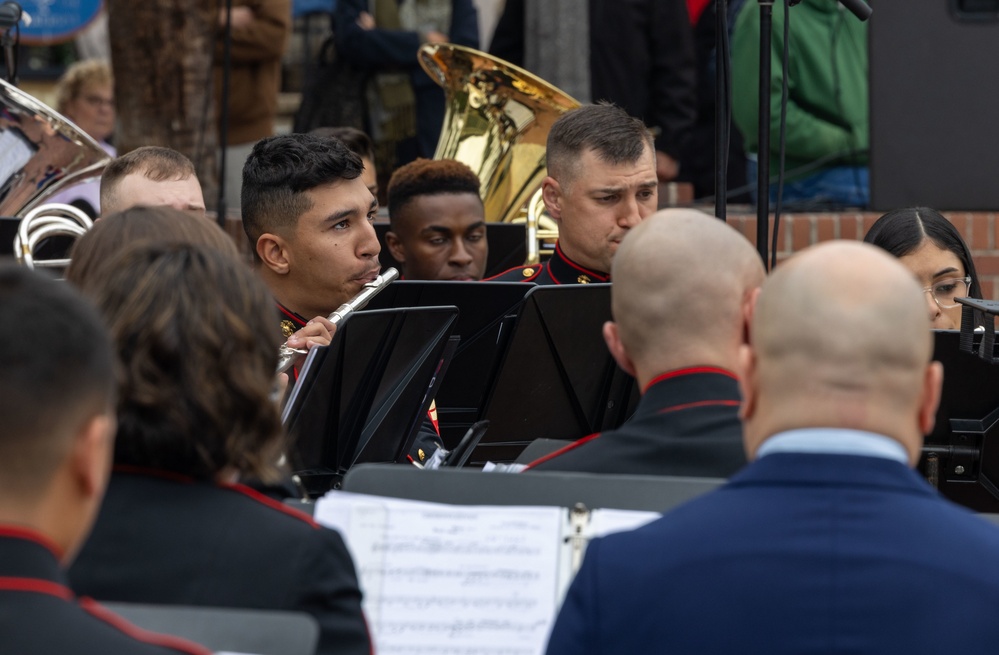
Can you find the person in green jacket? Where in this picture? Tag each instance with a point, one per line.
(827, 136)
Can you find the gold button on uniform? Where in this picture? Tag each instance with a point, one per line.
(528, 272)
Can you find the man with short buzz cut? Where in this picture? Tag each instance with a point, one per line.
(151, 176)
(601, 183)
(56, 439)
(438, 221)
(828, 541)
(683, 287)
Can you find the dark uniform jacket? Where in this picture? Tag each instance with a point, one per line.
(39, 615)
(559, 269)
(686, 423)
(166, 539)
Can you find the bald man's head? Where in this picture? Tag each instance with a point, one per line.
(840, 338)
(682, 282)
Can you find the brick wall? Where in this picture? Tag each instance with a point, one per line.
(798, 231)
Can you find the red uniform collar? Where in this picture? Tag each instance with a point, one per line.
(565, 271)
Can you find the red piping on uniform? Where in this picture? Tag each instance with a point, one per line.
(166, 641)
(600, 278)
(563, 449)
(33, 585)
(700, 403)
(27, 534)
(270, 502)
(291, 315)
(689, 371)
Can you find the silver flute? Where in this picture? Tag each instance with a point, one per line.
(287, 354)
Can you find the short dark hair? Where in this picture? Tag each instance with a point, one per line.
(279, 171)
(605, 128)
(356, 141)
(154, 162)
(901, 231)
(56, 371)
(428, 177)
(141, 224)
(197, 339)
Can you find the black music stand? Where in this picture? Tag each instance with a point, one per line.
(486, 313)
(961, 454)
(507, 247)
(364, 397)
(655, 493)
(557, 380)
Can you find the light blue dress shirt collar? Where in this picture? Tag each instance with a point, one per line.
(834, 441)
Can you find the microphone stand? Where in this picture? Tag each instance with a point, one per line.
(763, 132)
(862, 11)
(722, 125)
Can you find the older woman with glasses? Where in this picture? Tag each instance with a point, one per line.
(85, 95)
(932, 248)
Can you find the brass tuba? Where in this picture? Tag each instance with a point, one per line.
(41, 152)
(496, 121)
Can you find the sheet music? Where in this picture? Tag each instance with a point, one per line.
(605, 521)
(451, 580)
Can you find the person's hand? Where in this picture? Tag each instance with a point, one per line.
(366, 21)
(667, 168)
(241, 17)
(317, 332)
(433, 36)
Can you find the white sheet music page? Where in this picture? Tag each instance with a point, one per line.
(448, 579)
(605, 521)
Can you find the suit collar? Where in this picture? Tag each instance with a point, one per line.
(815, 470)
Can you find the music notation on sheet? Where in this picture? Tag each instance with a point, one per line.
(452, 580)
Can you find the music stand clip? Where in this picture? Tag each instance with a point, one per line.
(973, 314)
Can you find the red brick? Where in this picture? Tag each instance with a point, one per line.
(980, 232)
(988, 288)
(867, 223)
(848, 226)
(987, 265)
(749, 228)
(960, 221)
(801, 232)
(826, 227)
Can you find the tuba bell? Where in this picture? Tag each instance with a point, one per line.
(41, 152)
(497, 118)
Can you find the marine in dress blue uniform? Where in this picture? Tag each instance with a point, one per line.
(687, 423)
(558, 269)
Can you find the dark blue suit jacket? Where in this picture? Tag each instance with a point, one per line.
(796, 554)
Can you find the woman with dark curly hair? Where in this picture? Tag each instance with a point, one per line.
(931, 247)
(197, 341)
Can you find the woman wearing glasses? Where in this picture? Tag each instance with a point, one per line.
(85, 95)
(932, 248)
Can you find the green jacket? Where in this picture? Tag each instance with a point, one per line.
(827, 84)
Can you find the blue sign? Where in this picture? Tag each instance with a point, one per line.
(56, 21)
